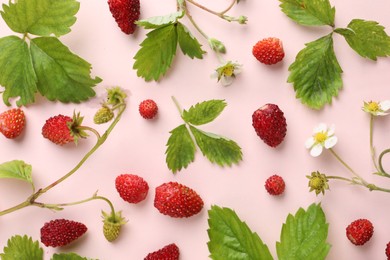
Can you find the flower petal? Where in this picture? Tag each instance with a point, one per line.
(385, 105)
(330, 142)
(331, 130)
(226, 81)
(316, 150)
(320, 128)
(310, 142)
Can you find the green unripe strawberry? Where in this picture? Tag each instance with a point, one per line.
(103, 115)
(112, 225)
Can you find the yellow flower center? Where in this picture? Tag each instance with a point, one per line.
(373, 106)
(320, 137)
(228, 70)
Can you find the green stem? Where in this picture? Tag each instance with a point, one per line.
(196, 25)
(219, 14)
(177, 105)
(372, 149)
(382, 171)
(340, 178)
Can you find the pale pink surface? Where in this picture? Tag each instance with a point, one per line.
(137, 146)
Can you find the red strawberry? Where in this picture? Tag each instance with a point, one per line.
(169, 252)
(60, 232)
(177, 200)
(387, 251)
(62, 129)
(268, 51)
(275, 185)
(132, 188)
(360, 231)
(148, 109)
(125, 13)
(270, 124)
(12, 122)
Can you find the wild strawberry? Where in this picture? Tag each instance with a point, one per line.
(275, 185)
(177, 200)
(360, 231)
(131, 188)
(168, 252)
(268, 51)
(125, 13)
(387, 251)
(12, 122)
(62, 129)
(60, 232)
(112, 225)
(103, 115)
(270, 124)
(148, 109)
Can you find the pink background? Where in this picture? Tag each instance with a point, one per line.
(137, 146)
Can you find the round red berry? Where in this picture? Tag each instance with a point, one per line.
(131, 188)
(360, 231)
(148, 109)
(268, 51)
(387, 251)
(275, 185)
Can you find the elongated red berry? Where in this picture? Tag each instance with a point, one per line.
(12, 122)
(61, 232)
(268, 51)
(131, 188)
(148, 109)
(387, 251)
(270, 124)
(177, 200)
(360, 231)
(275, 185)
(168, 252)
(125, 13)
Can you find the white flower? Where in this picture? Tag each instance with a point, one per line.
(322, 137)
(377, 108)
(227, 72)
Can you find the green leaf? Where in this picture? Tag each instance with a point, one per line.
(204, 112)
(41, 17)
(304, 235)
(17, 71)
(62, 75)
(16, 169)
(68, 256)
(155, 56)
(316, 73)
(232, 239)
(181, 149)
(19, 247)
(188, 43)
(309, 12)
(158, 21)
(367, 38)
(217, 149)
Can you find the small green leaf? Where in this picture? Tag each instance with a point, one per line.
(217, 149)
(316, 73)
(62, 75)
(19, 247)
(181, 149)
(304, 235)
(17, 71)
(16, 169)
(158, 21)
(232, 239)
(188, 43)
(204, 112)
(156, 54)
(309, 12)
(367, 38)
(68, 256)
(41, 17)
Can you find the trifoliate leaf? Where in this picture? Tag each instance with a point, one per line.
(158, 21)
(232, 239)
(204, 112)
(16, 169)
(181, 149)
(367, 38)
(316, 73)
(304, 235)
(68, 256)
(62, 75)
(188, 43)
(309, 12)
(156, 54)
(217, 149)
(17, 71)
(41, 17)
(19, 247)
